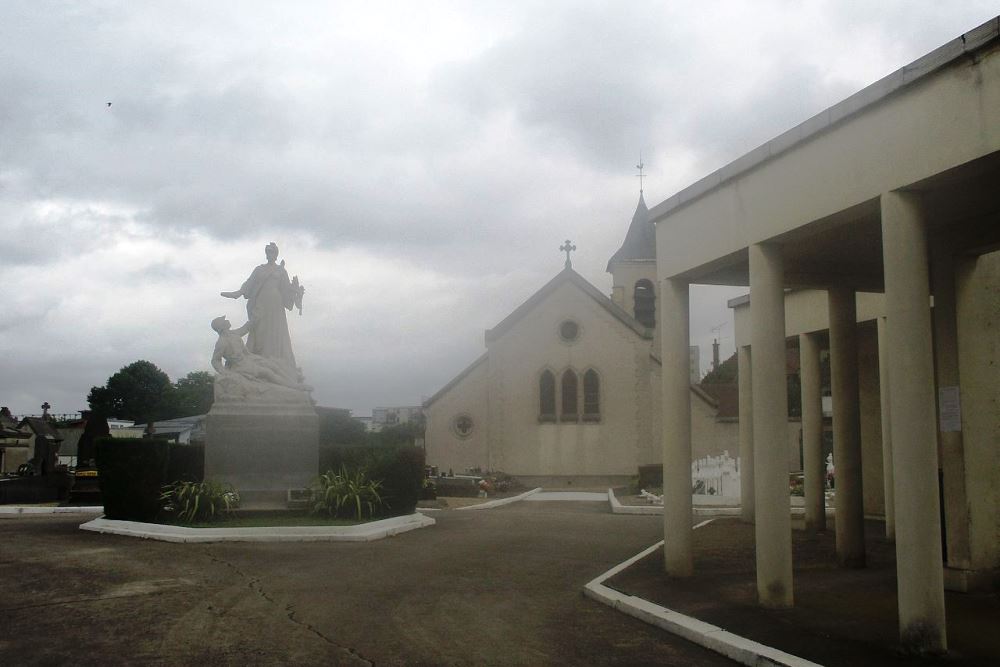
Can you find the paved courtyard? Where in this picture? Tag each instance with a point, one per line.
(498, 586)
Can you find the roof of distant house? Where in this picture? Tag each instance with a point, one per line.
(727, 398)
(40, 426)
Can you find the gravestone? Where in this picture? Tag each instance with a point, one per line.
(262, 430)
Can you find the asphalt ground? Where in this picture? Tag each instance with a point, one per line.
(496, 587)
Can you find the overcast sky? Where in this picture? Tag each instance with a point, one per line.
(418, 164)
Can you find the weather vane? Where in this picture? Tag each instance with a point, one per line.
(640, 175)
(567, 248)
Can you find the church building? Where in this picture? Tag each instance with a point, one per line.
(568, 390)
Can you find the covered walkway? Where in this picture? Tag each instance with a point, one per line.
(893, 191)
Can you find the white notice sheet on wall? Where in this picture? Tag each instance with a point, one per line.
(950, 409)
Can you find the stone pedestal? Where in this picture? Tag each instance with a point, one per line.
(263, 439)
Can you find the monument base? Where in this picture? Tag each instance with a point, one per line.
(263, 448)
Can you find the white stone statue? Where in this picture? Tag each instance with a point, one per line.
(269, 293)
(236, 364)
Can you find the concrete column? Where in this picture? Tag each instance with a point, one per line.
(746, 434)
(920, 580)
(850, 523)
(951, 444)
(812, 433)
(770, 427)
(883, 388)
(676, 378)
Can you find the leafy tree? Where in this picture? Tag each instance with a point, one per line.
(139, 391)
(338, 427)
(193, 394)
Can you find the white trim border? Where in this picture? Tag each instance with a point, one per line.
(499, 502)
(365, 532)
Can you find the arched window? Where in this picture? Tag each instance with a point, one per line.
(569, 400)
(547, 397)
(591, 396)
(645, 303)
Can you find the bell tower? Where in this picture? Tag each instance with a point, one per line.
(633, 266)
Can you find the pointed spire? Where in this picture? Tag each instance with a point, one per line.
(640, 240)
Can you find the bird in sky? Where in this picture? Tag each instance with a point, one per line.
(109, 104)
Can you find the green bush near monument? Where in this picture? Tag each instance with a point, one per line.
(131, 473)
(199, 501)
(347, 494)
(186, 463)
(399, 469)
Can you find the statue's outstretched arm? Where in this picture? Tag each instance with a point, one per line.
(242, 331)
(232, 295)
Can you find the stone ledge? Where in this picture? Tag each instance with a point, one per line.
(366, 532)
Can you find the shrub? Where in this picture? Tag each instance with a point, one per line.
(399, 469)
(402, 473)
(131, 472)
(186, 463)
(200, 501)
(347, 493)
(428, 490)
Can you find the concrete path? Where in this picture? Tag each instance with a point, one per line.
(496, 587)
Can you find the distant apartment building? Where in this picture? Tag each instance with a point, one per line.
(393, 416)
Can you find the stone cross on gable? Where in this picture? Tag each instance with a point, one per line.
(45, 409)
(567, 248)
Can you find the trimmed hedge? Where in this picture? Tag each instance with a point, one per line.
(400, 469)
(131, 472)
(186, 463)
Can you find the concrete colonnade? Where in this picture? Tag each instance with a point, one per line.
(952, 448)
(746, 433)
(814, 467)
(770, 422)
(920, 579)
(676, 397)
(850, 512)
(887, 464)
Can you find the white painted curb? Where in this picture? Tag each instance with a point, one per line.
(21, 509)
(366, 532)
(500, 501)
(714, 638)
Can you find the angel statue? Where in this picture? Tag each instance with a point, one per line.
(269, 293)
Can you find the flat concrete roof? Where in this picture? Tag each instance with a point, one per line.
(973, 40)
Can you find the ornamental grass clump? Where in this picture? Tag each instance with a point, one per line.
(200, 501)
(347, 494)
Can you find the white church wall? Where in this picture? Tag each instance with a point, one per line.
(613, 446)
(446, 448)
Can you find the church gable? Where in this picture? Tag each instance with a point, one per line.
(542, 299)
